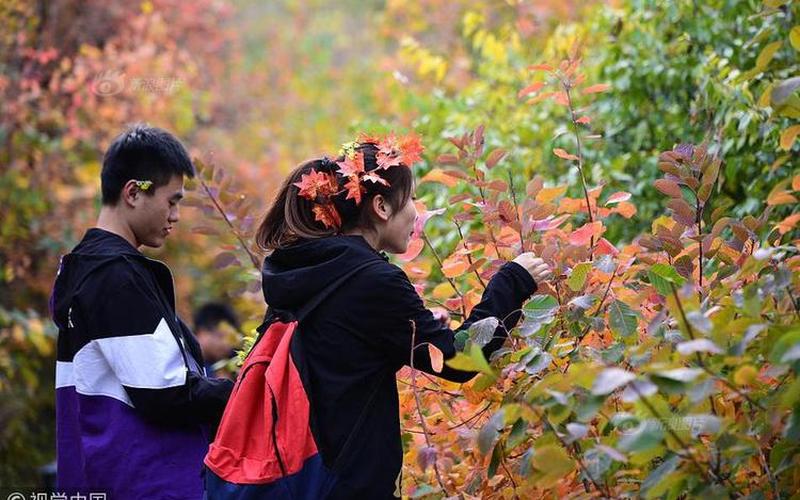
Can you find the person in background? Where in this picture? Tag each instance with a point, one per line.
(215, 326)
(134, 410)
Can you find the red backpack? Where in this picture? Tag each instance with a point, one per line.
(264, 447)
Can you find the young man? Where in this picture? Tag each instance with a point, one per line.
(215, 325)
(134, 410)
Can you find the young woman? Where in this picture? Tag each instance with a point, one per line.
(328, 218)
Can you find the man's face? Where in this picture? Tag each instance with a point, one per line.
(215, 342)
(154, 216)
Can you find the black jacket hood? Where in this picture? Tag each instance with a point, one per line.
(292, 276)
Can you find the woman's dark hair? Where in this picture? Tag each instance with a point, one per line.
(291, 217)
(142, 153)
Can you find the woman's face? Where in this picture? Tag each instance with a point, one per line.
(399, 228)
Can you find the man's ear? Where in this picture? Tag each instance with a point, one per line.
(130, 193)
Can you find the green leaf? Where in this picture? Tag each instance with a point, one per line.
(647, 435)
(578, 277)
(490, 432)
(662, 275)
(784, 345)
(482, 332)
(660, 472)
(553, 461)
(472, 361)
(622, 319)
(539, 311)
(611, 379)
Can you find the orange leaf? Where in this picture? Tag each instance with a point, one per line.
(583, 119)
(541, 97)
(788, 224)
(788, 136)
(562, 98)
(584, 234)
(454, 266)
(781, 198)
(625, 209)
(563, 154)
(438, 175)
(540, 67)
(530, 89)
(593, 89)
(437, 358)
(796, 183)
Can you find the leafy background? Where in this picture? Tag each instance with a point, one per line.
(656, 169)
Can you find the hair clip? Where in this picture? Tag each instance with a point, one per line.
(143, 185)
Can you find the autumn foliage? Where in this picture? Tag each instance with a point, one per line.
(646, 150)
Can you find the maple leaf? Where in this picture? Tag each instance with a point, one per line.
(410, 149)
(352, 165)
(365, 138)
(316, 184)
(373, 177)
(388, 152)
(328, 215)
(354, 189)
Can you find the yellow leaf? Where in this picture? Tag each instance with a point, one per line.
(766, 97)
(547, 195)
(794, 37)
(767, 54)
(745, 375)
(443, 291)
(788, 136)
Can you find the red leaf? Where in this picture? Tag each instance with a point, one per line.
(540, 67)
(447, 159)
(224, 259)
(618, 196)
(584, 234)
(415, 246)
(583, 119)
(563, 154)
(668, 187)
(530, 89)
(494, 157)
(604, 247)
(316, 184)
(352, 166)
(328, 215)
(593, 89)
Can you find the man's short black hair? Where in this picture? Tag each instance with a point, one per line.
(212, 314)
(143, 153)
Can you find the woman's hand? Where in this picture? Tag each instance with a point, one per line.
(539, 269)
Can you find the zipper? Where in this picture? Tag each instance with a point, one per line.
(273, 432)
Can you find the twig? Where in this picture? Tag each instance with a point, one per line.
(441, 265)
(469, 257)
(419, 403)
(219, 208)
(516, 210)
